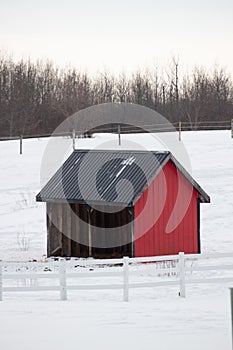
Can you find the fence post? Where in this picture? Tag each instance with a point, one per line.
(119, 134)
(21, 144)
(126, 278)
(62, 279)
(73, 137)
(231, 296)
(180, 129)
(0, 280)
(182, 274)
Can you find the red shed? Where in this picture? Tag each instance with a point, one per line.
(116, 203)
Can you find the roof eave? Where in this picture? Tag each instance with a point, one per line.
(203, 196)
(79, 201)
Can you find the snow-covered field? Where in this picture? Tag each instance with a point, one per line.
(211, 156)
(153, 319)
(200, 323)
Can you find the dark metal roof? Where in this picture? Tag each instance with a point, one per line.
(115, 177)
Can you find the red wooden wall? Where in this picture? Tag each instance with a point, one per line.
(164, 236)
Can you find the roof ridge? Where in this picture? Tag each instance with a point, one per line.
(120, 151)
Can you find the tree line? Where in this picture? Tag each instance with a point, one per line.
(36, 97)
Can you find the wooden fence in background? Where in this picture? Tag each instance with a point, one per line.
(124, 129)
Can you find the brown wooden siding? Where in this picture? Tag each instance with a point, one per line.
(68, 233)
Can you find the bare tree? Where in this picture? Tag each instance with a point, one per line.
(37, 97)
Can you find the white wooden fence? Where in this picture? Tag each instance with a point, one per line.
(179, 270)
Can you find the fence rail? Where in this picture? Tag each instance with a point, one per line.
(175, 268)
(125, 129)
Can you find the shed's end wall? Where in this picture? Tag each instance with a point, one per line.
(166, 216)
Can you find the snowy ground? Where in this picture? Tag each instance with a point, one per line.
(211, 155)
(167, 324)
(154, 318)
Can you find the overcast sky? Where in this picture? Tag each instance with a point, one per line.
(121, 34)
